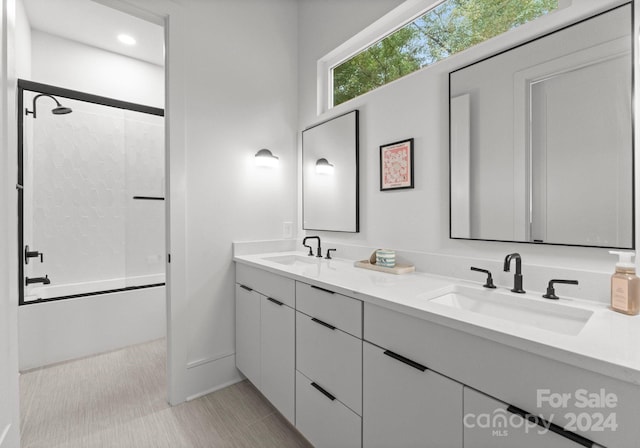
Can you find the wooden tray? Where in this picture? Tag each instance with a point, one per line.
(398, 269)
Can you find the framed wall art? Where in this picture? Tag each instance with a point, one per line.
(396, 165)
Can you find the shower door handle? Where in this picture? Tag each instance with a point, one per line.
(32, 254)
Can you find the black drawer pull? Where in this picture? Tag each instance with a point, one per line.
(318, 321)
(407, 361)
(277, 302)
(324, 392)
(583, 441)
(246, 288)
(322, 289)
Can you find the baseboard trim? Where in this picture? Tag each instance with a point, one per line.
(214, 389)
(202, 361)
(4, 434)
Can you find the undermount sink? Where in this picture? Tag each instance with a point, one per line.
(551, 316)
(292, 260)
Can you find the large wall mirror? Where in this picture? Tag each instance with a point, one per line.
(541, 141)
(330, 175)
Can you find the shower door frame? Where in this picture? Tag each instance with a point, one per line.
(36, 87)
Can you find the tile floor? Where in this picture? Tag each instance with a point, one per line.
(118, 399)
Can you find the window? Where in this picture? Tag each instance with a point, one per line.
(446, 29)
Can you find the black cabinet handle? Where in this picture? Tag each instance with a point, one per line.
(149, 198)
(318, 321)
(322, 289)
(583, 441)
(277, 302)
(246, 288)
(407, 361)
(324, 392)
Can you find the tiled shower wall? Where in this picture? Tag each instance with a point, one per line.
(84, 169)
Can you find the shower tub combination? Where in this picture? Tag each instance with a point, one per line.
(91, 224)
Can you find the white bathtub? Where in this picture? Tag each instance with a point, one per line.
(52, 291)
(59, 330)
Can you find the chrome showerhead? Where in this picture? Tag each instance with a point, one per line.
(58, 110)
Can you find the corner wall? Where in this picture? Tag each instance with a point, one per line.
(232, 83)
(240, 97)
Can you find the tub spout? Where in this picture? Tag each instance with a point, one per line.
(44, 280)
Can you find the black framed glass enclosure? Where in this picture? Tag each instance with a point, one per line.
(91, 206)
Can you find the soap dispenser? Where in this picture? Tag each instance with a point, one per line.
(625, 285)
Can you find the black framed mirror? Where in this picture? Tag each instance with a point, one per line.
(541, 139)
(330, 175)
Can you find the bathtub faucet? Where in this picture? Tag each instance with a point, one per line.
(44, 280)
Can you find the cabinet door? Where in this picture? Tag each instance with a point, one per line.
(488, 424)
(404, 406)
(278, 355)
(323, 420)
(248, 333)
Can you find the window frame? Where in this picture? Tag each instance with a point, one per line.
(378, 30)
(407, 12)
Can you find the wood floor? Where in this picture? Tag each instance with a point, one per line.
(118, 400)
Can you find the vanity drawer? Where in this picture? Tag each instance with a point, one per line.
(331, 357)
(340, 311)
(324, 420)
(266, 283)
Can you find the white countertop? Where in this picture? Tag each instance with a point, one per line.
(608, 343)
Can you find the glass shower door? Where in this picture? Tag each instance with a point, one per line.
(93, 200)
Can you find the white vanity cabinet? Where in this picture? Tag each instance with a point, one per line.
(406, 404)
(248, 333)
(265, 335)
(329, 367)
(489, 424)
(349, 373)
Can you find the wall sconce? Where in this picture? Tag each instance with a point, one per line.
(264, 157)
(323, 166)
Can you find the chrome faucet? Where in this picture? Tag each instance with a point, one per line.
(517, 277)
(319, 251)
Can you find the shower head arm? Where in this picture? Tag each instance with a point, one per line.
(33, 105)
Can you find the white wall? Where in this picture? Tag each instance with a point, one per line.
(23, 42)
(240, 97)
(417, 106)
(323, 25)
(232, 83)
(9, 411)
(73, 65)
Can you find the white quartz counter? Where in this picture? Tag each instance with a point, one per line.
(608, 343)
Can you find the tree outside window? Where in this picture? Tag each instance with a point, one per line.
(447, 29)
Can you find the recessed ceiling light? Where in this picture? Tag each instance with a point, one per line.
(126, 39)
